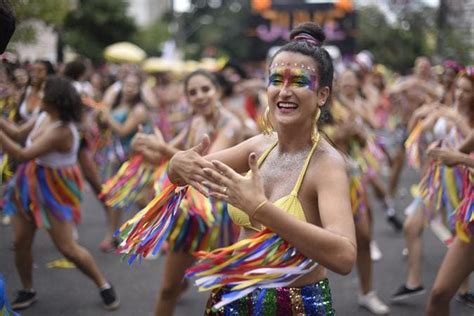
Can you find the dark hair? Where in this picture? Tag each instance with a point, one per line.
(7, 23)
(227, 87)
(60, 94)
(232, 64)
(48, 65)
(204, 73)
(75, 70)
(306, 39)
(138, 98)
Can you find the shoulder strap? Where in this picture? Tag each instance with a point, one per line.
(265, 154)
(297, 187)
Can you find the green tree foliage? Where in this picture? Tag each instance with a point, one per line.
(52, 12)
(152, 37)
(454, 37)
(396, 45)
(222, 27)
(96, 24)
(455, 46)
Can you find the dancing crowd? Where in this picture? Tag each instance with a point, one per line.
(253, 180)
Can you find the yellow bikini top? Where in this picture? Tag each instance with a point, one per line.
(290, 203)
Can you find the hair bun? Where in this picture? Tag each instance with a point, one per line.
(308, 32)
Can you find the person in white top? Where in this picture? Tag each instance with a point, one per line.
(47, 189)
(29, 104)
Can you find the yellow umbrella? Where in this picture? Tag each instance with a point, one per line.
(213, 64)
(209, 64)
(191, 65)
(124, 52)
(157, 64)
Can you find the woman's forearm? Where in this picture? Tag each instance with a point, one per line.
(11, 147)
(118, 128)
(467, 161)
(330, 249)
(463, 127)
(429, 122)
(152, 156)
(167, 151)
(468, 145)
(10, 129)
(464, 159)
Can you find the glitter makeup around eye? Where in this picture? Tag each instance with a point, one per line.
(292, 77)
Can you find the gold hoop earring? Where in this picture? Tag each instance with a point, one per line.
(267, 127)
(315, 131)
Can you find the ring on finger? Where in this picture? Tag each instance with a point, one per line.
(224, 191)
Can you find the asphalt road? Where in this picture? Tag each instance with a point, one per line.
(68, 292)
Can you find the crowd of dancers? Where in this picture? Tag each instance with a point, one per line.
(254, 182)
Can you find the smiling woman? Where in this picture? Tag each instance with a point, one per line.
(296, 187)
(201, 225)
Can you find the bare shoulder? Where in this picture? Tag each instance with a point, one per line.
(327, 160)
(61, 136)
(258, 144)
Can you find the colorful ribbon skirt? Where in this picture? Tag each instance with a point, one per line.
(38, 191)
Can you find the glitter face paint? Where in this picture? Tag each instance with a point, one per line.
(310, 300)
(292, 77)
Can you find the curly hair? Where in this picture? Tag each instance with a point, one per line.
(60, 94)
(75, 70)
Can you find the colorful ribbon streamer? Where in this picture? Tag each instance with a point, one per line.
(358, 196)
(442, 187)
(465, 212)
(184, 217)
(150, 227)
(412, 146)
(263, 261)
(5, 171)
(124, 189)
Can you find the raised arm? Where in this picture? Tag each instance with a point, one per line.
(451, 157)
(468, 145)
(17, 133)
(186, 167)
(421, 113)
(137, 116)
(50, 140)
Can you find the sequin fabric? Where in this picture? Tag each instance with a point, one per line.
(314, 299)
